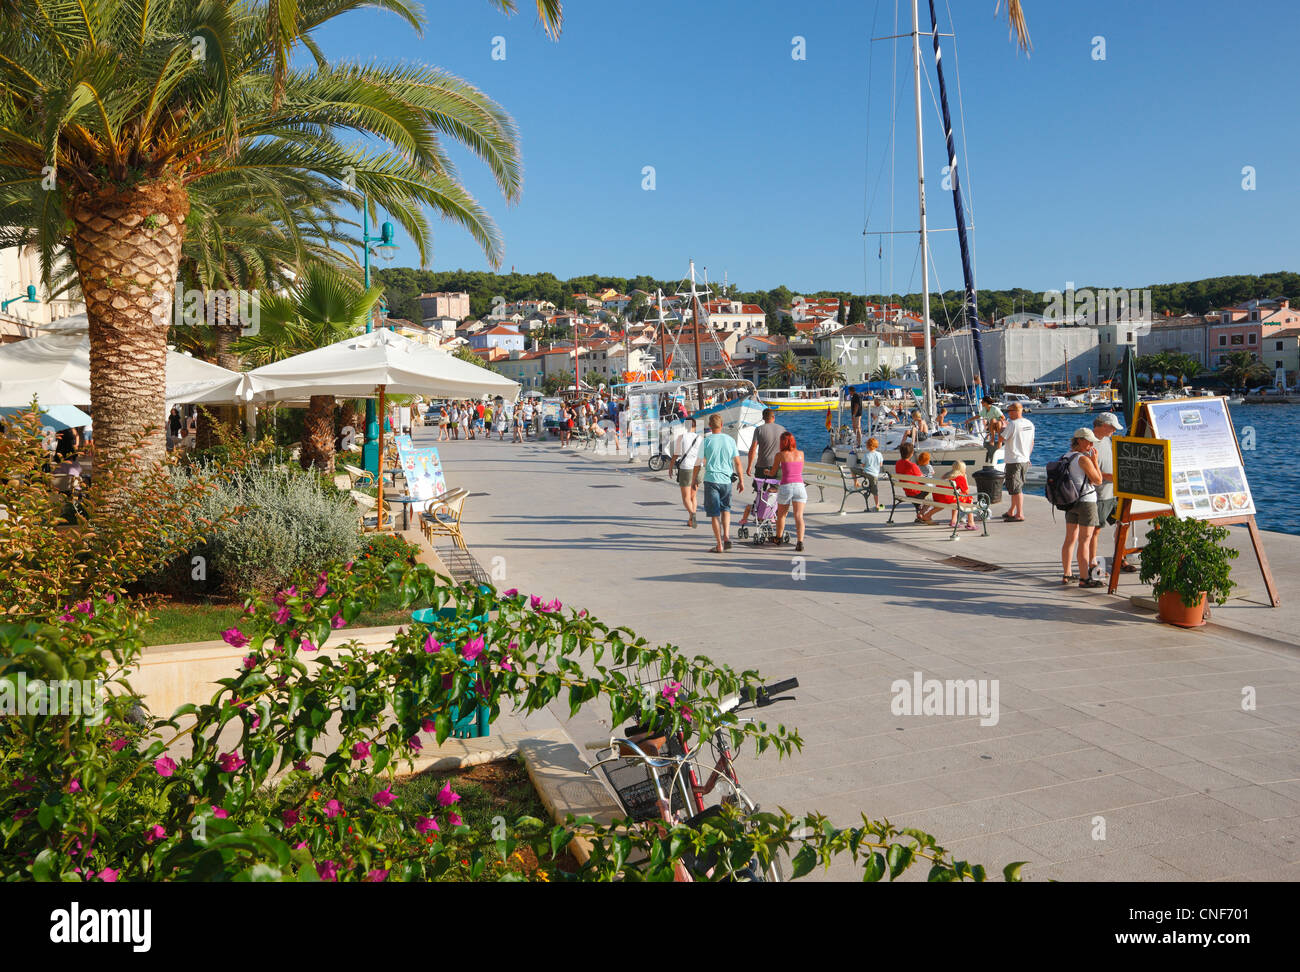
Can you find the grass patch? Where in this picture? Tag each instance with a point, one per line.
(178, 622)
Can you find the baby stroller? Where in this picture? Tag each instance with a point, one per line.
(764, 512)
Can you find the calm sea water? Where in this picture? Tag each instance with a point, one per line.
(1270, 465)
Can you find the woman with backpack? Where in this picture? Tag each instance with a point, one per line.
(1076, 474)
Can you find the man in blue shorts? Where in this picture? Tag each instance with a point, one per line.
(719, 466)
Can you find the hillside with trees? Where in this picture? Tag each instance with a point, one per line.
(403, 285)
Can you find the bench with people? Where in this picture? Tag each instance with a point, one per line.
(931, 495)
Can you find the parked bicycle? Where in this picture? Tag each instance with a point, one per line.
(655, 776)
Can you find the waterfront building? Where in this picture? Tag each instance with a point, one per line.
(734, 315)
(501, 336)
(1026, 355)
(858, 350)
(1281, 353)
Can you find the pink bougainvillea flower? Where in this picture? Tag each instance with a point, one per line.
(118, 744)
(110, 598)
(333, 808)
(257, 721)
(473, 648)
(337, 621)
(426, 824)
(321, 589)
(432, 644)
(250, 661)
(300, 764)
(455, 819)
(300, 845)
(234, 637)
(74, 787)
(670, 690)
(290, 817)
(510, 593)
(165, 765)
(376, 876)
(306, 644)
(84, 607)
(281, 616)
(446, 797)
(108, 874)
(687, 713)
(427, 725)
(414, 743)
(348, 565)
(328, 871)
(506, 666)
(384, 797)
(66, 617)
(229, 762)
(19, 814)
(156, 832)
(220, 813)
(534, 602)
(361, 750)
(582, 613)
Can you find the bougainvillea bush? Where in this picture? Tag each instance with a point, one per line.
(287, 772)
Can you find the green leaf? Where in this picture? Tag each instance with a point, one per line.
(899, 858)
(1012, 871)
(804, 861)
(875, 867)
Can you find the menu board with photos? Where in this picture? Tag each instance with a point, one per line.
(1207, 475)
(643, 422)
(423, 471)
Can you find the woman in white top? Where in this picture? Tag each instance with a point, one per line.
(1081, 518)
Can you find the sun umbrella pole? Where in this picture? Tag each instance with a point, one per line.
(379, 465)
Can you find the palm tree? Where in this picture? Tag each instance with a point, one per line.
(1191, 368)
(823, 373)
(1241, 369)
(323, 306)
(112, 112)
(786, 366)
(884, 372)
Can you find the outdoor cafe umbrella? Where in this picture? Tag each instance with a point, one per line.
(57, 417)
(1128, 388)
(374, 365)
(54, 368)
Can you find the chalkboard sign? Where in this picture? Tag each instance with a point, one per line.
(1143, 469)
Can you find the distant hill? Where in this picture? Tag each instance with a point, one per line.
(403, 285)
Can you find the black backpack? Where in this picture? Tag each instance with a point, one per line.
(1065, 481)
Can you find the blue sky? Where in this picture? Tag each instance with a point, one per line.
(1123, 172)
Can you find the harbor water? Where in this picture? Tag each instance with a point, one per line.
(1266, 434)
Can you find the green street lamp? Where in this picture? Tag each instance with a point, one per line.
(29, 297)
(385, 249)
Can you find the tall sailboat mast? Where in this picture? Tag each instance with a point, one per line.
(696, 324)
(663, 336)
(971, 306)
(930, 409)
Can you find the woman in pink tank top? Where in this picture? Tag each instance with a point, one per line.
(788, 466)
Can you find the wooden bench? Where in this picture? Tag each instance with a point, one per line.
(899, 483)
(824, 474)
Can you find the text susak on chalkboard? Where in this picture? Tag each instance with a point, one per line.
(1142, 468)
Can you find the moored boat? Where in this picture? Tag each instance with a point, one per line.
(798, 398)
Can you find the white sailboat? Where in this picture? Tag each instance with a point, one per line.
(948, 443)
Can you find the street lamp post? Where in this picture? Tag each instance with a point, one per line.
(387, 249)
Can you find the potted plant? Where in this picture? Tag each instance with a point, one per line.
(1186, 563)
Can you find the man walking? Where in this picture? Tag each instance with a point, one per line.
(766, 444)
(1018, 441)
(719, 465)
(685, 450)
(855, 412)
(1104, 425)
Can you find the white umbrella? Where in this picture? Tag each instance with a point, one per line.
(357, 367)
(374, 365)
(54, 367)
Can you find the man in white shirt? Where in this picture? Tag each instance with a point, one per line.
(1104, 425)
(685, 452)
(1017, 438)
(528, 417)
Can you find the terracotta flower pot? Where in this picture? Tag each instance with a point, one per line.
(1172, 610)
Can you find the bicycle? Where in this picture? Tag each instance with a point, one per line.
(657, 777)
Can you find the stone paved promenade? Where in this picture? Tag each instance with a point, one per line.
(1107, 717)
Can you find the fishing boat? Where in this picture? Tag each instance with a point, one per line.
(798, 398)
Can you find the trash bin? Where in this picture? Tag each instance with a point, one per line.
(477, 722)
(989, 481)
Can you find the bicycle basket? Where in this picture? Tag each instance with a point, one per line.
(631, 781)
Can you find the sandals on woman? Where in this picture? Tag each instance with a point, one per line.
(1092, 583)
(1069, 578)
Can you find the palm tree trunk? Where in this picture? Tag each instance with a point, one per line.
(318, 436)
(127, 245)
(225, 334)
